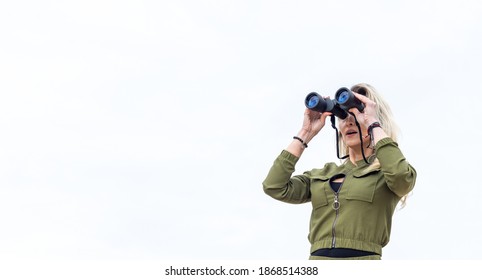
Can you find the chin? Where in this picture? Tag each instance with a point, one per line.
(352, 143)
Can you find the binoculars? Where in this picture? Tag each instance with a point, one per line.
(344, 101)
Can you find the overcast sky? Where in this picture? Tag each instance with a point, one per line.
(143, 129)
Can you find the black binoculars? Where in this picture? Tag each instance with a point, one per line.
(344, 101)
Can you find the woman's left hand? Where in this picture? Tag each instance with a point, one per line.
(369, 114)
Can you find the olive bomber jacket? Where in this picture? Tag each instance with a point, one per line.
(359, 215)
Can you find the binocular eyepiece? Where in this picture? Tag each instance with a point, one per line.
(344, 101)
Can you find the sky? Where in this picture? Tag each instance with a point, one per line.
(144, 129)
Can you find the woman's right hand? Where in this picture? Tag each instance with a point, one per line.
(313, 122)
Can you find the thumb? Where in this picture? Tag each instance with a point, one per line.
(324, 116)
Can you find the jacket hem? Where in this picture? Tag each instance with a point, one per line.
(348, 243)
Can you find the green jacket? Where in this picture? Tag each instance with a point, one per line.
(367, 198)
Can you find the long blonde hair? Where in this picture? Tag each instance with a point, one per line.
(385, 117)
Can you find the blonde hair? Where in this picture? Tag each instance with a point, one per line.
(385, 117)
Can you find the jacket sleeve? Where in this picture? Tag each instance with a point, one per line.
(281, 186)
(399, 174)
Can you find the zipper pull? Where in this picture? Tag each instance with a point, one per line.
(336, 203)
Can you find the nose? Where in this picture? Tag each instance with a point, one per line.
(349, 120)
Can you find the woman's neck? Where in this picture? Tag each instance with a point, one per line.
(356, 154)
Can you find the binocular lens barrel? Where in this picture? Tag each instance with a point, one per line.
(312, 100)
(316, 102)
(343, 97)
(347, 100)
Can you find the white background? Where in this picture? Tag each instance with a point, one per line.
(143, 129)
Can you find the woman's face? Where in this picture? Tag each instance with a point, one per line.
(350, 133)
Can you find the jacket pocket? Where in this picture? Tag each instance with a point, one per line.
(363, 186)
(318, 191)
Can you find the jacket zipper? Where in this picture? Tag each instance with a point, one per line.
(336, 207)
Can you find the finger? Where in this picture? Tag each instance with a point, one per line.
(363, 98)
(326, 114)
(355, 111)
(323, 118)
(309, 113)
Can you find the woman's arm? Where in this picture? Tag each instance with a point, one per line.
(279, 182)
(399, 174)
(280, 185)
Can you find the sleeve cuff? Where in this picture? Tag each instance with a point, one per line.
(385, 141)
(289, 157)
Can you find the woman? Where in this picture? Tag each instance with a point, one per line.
(353, 203)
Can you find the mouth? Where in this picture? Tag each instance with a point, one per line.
(351, 132)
